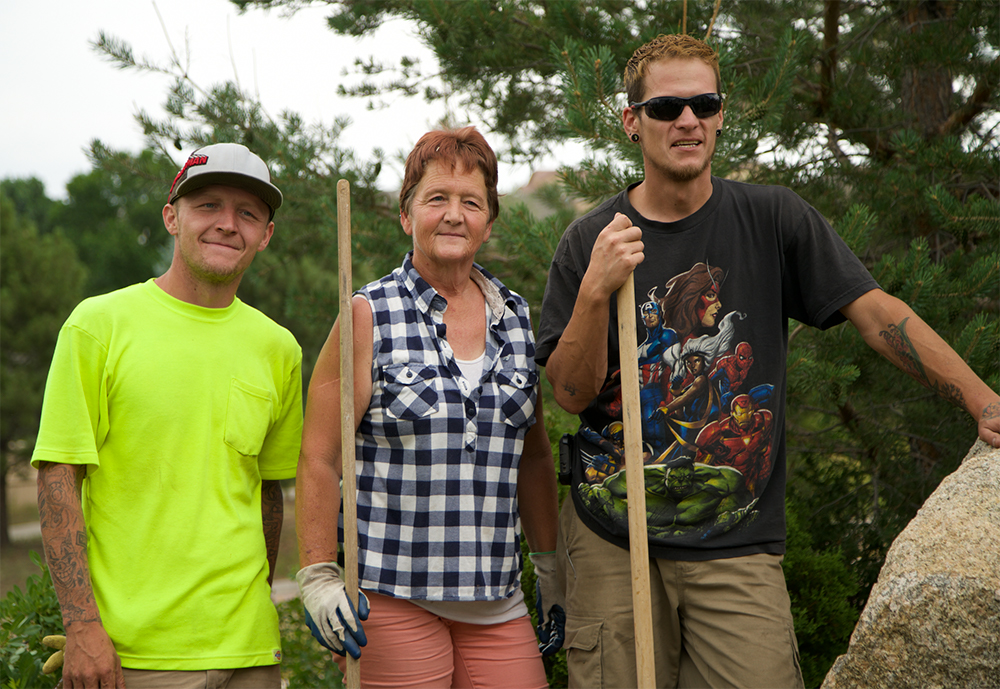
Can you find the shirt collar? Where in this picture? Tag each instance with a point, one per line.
(427, 298)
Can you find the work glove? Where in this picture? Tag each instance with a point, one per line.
(55, 661)
(550, 604)
(330, 615)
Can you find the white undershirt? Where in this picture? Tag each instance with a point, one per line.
(472, 370)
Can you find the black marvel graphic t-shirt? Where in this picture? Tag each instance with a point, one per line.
(713, 299)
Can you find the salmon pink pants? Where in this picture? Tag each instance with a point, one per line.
(411, 647)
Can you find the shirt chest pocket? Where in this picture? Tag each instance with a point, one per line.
(517, 395)
(248, 417)
(410, 391)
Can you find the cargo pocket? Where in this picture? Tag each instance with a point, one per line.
(583, 652)
(517, 395)
(410, 391)
(795, 655)
(248, 417)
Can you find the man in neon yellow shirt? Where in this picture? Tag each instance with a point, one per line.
(172, 410)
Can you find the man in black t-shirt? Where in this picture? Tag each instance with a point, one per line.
(721, 267)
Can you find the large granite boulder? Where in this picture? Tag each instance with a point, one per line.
(933, 617)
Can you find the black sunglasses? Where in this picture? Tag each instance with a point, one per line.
(669, 108)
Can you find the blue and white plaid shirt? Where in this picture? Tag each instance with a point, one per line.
(437, 457)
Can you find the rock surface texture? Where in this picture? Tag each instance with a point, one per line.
(933, 618)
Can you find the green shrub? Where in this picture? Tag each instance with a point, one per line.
(304, 663)
(25, 617)
(822, 589)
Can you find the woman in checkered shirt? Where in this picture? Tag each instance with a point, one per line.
(452, 455)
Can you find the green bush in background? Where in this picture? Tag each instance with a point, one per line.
(25, 617)
(304, 663)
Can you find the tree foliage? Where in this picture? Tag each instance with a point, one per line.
(295, 280)
(41, 280)
(494, 57)
(114, 220)
(28, 201)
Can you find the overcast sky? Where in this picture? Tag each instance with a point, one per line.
(59, 94)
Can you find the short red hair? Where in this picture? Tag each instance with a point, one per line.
(463, 148)
(666, 47)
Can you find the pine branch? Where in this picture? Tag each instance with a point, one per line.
(978, 103)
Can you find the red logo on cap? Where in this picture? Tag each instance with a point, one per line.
(192, 161)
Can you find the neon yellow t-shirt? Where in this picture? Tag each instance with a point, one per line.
(179, 412)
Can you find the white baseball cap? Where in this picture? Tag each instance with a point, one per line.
(233, 165)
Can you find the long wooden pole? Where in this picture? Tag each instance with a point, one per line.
(636, 487)
(349, 481)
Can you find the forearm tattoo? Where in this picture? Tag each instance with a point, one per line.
(909, 360)
(273, 512)
(895, 336)
(65, 542)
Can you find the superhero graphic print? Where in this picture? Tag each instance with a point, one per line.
(707, 427)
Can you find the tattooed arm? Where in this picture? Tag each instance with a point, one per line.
(91, 660)
(892, 329)
(272, 507)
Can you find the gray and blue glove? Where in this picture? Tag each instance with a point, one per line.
(330, 615)
(550, 604)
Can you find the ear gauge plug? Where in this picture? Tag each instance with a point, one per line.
(635, 138)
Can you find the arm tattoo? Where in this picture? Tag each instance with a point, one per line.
(909, 360)
(570, 389)
(990, 411)
(951, 393)
(895, 336)
(65, 541)
(272, 508)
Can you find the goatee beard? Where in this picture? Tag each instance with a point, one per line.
(687, 173)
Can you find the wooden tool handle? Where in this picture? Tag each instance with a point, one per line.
(636, 486)
(349, 480)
